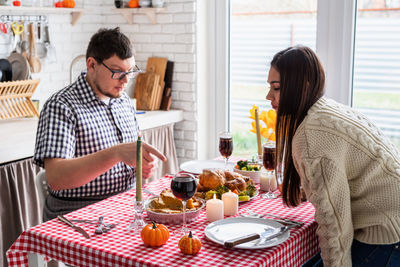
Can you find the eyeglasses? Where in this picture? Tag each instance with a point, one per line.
(119, 75)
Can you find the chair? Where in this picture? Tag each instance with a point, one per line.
(42, 188)
(78, 64)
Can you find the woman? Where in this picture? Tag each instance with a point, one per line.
(349, 171)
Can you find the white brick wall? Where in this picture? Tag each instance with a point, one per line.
(174, 36)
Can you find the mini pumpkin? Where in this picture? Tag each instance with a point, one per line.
(155, 235)
(133, 3)
(68, 3)
(189, 244)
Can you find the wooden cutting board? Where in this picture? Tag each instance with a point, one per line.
(157, 65)
(146, 89)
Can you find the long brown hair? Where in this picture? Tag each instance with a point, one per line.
(302, 83)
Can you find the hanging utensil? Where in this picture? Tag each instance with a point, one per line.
(51, 49)
(34, 61)
(17, 29)
(24, 45)
(40, 45)
(4, 27)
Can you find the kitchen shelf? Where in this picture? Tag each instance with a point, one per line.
(76, 13)
(149, 11)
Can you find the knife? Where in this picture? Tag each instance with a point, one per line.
(244, 239)
(76, 228)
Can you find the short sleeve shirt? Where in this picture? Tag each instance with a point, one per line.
(74, 122)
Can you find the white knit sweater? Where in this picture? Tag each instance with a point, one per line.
(350, 172)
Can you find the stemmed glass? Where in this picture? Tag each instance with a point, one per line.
(183, 186)
(225, 146)
(269, 165)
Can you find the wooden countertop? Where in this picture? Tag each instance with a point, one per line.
(17, 136)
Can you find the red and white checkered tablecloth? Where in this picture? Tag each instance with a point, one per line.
(119, 247)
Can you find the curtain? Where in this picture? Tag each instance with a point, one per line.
(19, 206)
(163, 139)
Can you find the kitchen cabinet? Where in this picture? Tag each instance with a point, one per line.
(76, 13)
(149, 11)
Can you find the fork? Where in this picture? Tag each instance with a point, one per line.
(96, 222)
(283, 220)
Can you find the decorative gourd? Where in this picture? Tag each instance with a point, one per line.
(155, 235)
(133, 3)
(68, 3)
(190, 244)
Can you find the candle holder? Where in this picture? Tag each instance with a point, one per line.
(138, 223)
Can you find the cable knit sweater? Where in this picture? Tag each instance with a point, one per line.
(350, 172)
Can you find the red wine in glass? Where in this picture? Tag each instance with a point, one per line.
(183, 186)
(269, 157)
(225, 145)
(269, 151)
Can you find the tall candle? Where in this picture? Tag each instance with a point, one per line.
(258, 132)
(267, 181)
(139, 169)
(214, 209)
(231, 203)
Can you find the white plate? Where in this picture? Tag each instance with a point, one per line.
(197, 166)
(227, 229)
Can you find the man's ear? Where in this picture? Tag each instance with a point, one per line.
(91, 63)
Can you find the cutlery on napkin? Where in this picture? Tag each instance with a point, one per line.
(264, 235)
(76, 228)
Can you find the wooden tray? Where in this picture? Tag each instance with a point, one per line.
(15, 99)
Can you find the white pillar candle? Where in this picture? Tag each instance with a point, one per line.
(231, 203)
(214, 209)
(267, 181)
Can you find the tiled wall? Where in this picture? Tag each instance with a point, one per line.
(173, 36)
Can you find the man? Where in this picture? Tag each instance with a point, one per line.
(87, 132)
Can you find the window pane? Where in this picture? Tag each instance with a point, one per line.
(376, 84)
(259, 29)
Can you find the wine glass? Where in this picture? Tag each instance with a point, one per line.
(269, 165)
(183, 186)
(225, 146)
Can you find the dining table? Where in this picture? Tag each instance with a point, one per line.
(123, 247)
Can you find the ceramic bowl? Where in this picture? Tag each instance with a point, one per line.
(254, 175)
(172, 218)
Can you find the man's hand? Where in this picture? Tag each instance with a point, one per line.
(127, 154)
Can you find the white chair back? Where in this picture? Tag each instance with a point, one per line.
(42, 188)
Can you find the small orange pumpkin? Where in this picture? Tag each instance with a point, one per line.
(155, 235)
(133, 3)
(68, 3)
(190, 244)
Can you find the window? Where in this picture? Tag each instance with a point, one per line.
(376, 84)
(358, 42)
(259, 29)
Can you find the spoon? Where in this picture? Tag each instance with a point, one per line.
(99, 229)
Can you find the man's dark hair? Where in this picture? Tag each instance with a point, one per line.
(108, 42)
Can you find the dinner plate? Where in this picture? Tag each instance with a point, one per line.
(227, 229)
(197, 166)
(20, 67)
(5, 70)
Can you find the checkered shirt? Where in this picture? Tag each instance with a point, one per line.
(74, 122)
